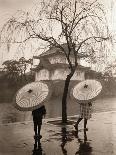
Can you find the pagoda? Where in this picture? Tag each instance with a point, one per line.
(53, 66)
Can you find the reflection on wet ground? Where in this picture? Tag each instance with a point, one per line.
(37, 148)
(100, 139)
(64, 137)
(9, 114)
(84, 146)
(59, 139)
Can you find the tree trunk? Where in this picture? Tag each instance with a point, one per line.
(64, 97)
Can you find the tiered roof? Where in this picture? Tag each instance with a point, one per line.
(55, 50)
(44, 61)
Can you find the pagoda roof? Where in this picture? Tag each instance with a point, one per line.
(55, 50)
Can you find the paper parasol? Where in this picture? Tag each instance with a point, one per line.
(86, 91)
(32, 96)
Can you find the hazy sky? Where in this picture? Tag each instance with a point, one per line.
(9, 7)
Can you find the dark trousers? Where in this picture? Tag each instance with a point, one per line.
(79, 120)
(37, 128)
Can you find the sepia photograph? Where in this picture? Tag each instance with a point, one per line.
(57, 77)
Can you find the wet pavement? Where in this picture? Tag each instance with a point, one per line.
(100, 139)
(8, 113)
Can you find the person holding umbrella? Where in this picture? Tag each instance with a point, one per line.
(32, 97)
(84, 93)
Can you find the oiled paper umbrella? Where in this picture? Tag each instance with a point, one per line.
(87, 90)
(32, 96)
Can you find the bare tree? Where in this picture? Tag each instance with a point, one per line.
(78, 23)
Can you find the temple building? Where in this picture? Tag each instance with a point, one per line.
(53, 66)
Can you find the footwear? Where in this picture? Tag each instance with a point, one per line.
(35, 136)
(39, 136)
(76, 127)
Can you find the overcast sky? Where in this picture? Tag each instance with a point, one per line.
(9, 7)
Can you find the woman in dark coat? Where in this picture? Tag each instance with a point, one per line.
(37, 120)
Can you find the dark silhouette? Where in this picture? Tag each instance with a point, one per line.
(85, 113)
(84, 145)
(37, 148)
(64, 140)
(67, 136)
(84, 148)
(37, 120)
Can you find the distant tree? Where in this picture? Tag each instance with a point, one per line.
(16, 70)
(109, 76)
(110, 70)
(12, 69)
(78, 23)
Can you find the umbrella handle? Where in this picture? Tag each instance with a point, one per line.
(85, 86)
(30, 91)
